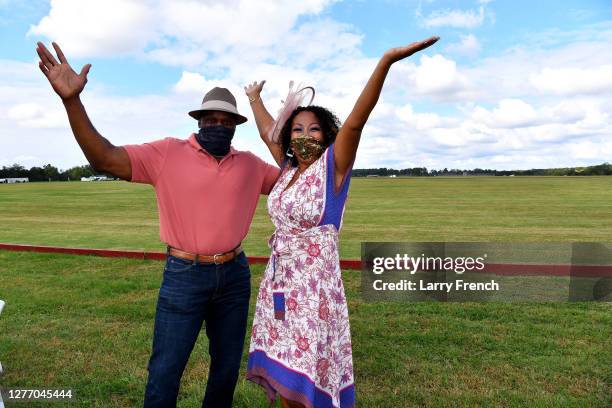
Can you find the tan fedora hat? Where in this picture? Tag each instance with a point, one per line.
(218, 99)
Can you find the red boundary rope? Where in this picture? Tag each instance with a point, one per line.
(498, 269)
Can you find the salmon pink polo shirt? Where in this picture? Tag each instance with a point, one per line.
(205, 206)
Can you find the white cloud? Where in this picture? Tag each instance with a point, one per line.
(439, 76)
(455, 18)
(219, 25)
(589, 150)
(573, 81)
(99, 28)
(194, 83)
(468, 46)
(510, 113)
(518, 72)
(34, 128)
(568, 111)
(178, 32)
(423, 121)
(25, 111)
(513, 134)
(34, 116)
(501, 111)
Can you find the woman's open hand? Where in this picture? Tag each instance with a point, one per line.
(254, 90)
(399, 53)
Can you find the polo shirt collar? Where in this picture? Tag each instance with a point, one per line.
(194, 143)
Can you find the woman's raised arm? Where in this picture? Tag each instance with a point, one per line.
(263, 119)
(348, 137)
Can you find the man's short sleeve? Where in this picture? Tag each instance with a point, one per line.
(147, 160)
(271, 174)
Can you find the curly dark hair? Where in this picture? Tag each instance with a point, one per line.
(330, 125)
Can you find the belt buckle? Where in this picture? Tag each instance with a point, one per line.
(215, 259)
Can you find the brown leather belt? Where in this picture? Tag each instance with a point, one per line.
(216, 259)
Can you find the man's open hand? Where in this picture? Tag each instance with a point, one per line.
(61, 76)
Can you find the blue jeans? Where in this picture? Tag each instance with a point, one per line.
(190, 295)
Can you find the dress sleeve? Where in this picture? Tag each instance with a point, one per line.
(331, 172)
(147, 160)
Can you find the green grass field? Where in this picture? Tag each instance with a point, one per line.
(124, 215)
(86, 322)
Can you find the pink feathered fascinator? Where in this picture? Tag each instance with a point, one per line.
(295, 98)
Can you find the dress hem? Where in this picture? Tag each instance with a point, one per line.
(258, 373)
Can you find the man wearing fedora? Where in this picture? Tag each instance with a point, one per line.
(207, 193)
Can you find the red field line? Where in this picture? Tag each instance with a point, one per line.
(152, 255)
(498, 269)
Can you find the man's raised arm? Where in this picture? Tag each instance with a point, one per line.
(101, 154)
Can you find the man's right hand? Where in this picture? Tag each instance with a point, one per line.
(101, 154)
(66, 83)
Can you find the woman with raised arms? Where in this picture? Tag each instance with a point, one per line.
(300, 343)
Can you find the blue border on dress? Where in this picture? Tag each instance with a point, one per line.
(298, 382)
(334, 201)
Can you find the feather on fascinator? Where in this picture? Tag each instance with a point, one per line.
(295, 98)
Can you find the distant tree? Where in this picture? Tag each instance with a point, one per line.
(37, 174)
(51, 172)
(75, 173)
(14, 170)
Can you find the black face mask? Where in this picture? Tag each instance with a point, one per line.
(216, 140)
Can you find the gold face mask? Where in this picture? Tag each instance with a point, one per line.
(306, 147)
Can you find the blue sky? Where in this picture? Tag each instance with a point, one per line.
(511, 84)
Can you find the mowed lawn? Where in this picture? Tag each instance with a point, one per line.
(86, 322)
(124, 215)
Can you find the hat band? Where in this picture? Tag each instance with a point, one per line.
(219, 105)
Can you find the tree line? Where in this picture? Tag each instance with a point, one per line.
(604, 169)
(48, 172)
(52, 173)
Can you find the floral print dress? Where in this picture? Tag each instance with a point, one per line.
(300, 342)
